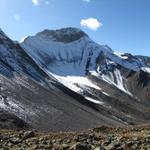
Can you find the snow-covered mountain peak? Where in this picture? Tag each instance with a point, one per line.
(67, 51)
(71, 48)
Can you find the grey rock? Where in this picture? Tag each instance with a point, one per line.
(28, 134)
(15, 140)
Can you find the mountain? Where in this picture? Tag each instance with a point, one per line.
(61, 55)
(61, 80)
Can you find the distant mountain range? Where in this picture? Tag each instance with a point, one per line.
(61, 80)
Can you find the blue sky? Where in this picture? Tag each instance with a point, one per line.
(124, 25)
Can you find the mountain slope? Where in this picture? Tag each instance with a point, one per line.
(37, 100)
(60, 80)
(104, 77)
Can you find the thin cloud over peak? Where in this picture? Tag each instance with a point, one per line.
(91, 23)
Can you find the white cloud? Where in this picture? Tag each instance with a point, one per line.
(91, 23)
(17, 17)
(38, 2)
(35, 2)
(87, 1)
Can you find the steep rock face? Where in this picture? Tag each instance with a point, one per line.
(131, 74)
(139, 85)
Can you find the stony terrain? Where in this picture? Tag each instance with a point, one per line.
(101, 138)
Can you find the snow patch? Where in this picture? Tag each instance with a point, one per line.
(116, 80)
(105, 93)
(73, 82)
(94, 101)
(146, 69)
(11, 105)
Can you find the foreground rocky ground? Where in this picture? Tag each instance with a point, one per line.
(102, 138)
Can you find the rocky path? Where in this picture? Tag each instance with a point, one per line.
(102, 138)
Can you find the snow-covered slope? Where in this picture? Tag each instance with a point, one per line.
(72, 58)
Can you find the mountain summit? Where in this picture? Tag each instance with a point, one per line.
(63, 48)
(64, 35)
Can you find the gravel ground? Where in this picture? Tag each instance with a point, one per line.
(100, 138)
